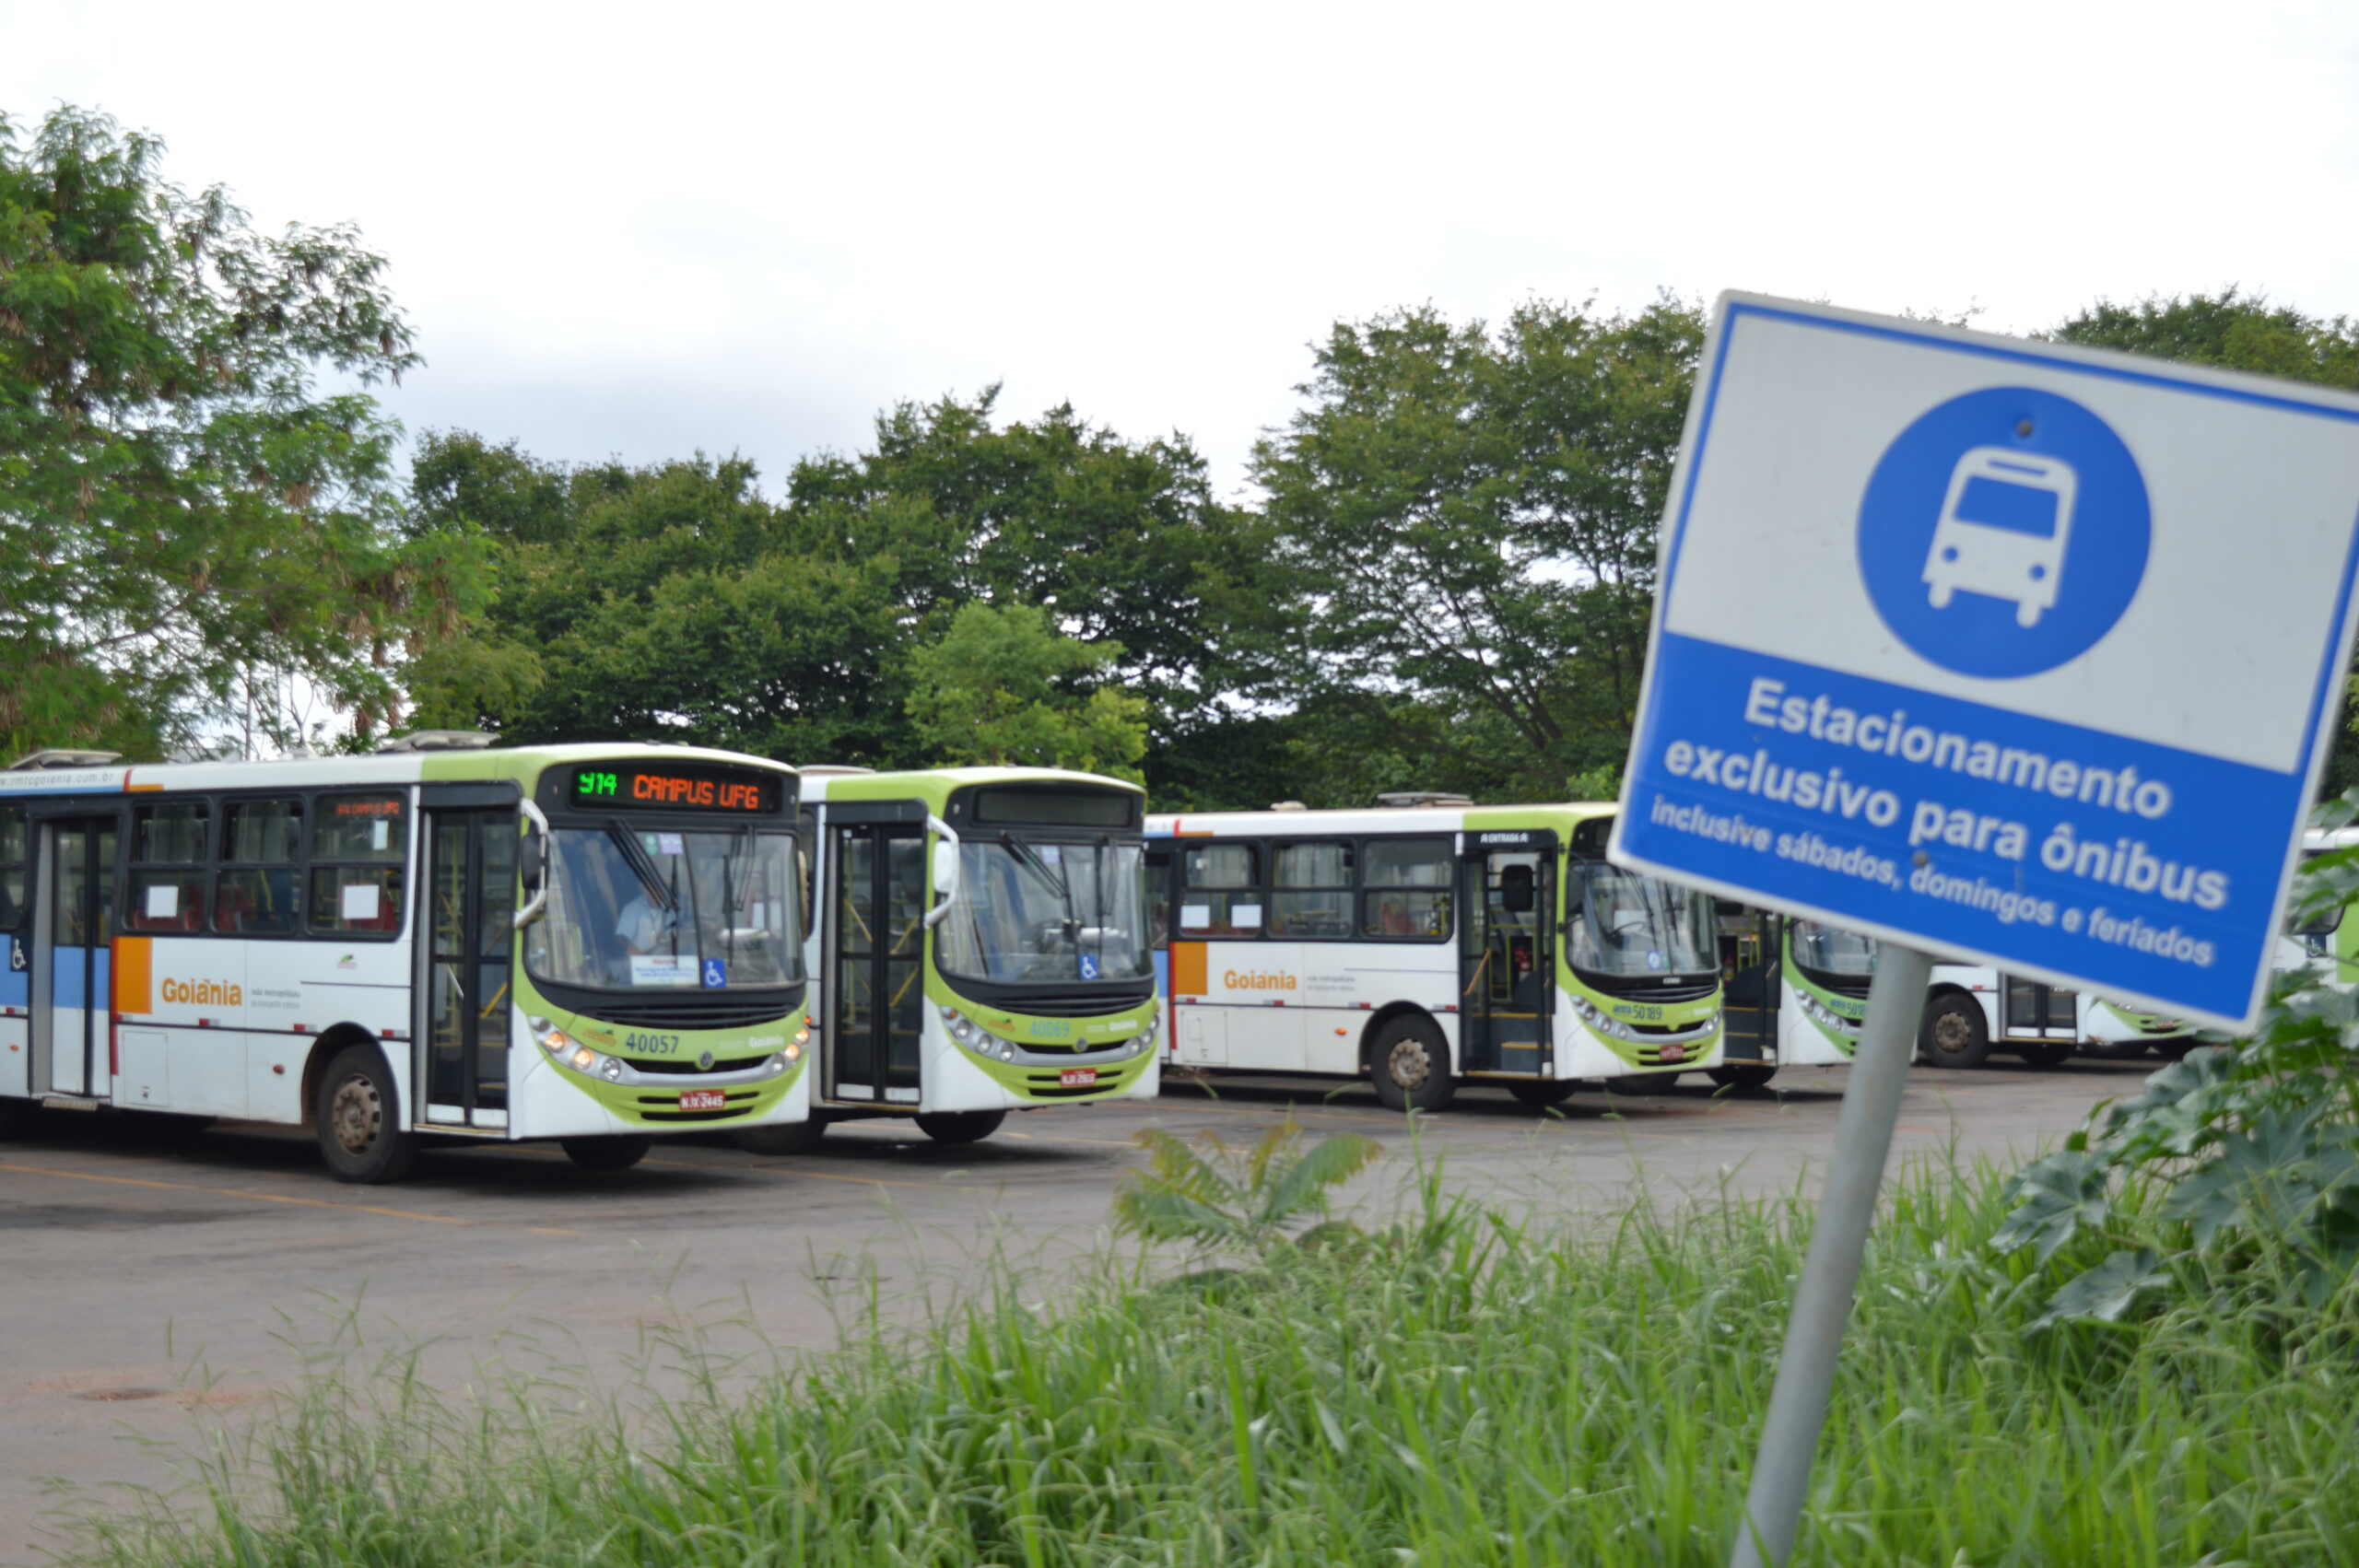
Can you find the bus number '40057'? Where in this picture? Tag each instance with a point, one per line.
(653, 1045)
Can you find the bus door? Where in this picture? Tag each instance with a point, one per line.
(875, 945)
(2031, 1011)
(1507, 953)
(72, 977)
(1752, 980)
(469, 938)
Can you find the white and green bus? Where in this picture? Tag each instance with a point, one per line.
(592, 944)
(981, 947)
(1819, 998)
(1427, 942)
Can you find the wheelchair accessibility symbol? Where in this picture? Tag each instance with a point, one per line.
(716, 974)
(1089, 966)
(17, 954)
(2004, 532)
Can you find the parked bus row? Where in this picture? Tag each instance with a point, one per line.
(593, 944)
(601, 945)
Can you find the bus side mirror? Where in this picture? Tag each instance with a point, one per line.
(803, 885)
(1516, 889)
(535, 865)
(946, 871)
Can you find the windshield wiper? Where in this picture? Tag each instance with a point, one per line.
(643, 864)
(1052, 874)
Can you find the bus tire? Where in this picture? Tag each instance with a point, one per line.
(19, 1118)
(1745, 1077)
(1410, 1065)
(1953, 1034)
(1544, 1092)
(960, 1127)
(2046, 1053)
(613, 1153)
(357, 1117)
(2116, 1050)
(789, 1138)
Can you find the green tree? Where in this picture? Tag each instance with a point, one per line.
(184, 515)
(672, 602)
(1471, 516)
(1004, 687)
(1120, 540)
(2234, 331)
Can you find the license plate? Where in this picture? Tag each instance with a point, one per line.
(1077, 1077)
(1672, 1053)
(703, 1100)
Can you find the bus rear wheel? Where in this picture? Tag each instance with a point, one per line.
(1745, 1077)
(357, 1117)
(1953, 1034)
(1411, 1065)
(615, 1153)
(1545, 1090)
(790, 1137)
(960, 1127)
(2047, 1054)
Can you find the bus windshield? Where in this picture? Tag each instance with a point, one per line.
(1622, 925)
(1830, 950)
(633, 908)
(1036, 909)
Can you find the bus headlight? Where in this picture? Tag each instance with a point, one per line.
(611, 1070)
(1599, 1020)
(585, 1058)
(794, 1051)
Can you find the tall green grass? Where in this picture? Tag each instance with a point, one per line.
(1454, 1391)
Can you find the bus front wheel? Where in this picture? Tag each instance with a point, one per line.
(1411, 1065)
(1745, 1077)
(960, 1127)
(1954, 1034)
(609, 1154)
(1545, 1090)
(358, 1119)
(2048, 1054)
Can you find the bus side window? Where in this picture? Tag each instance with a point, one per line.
(1311, 892)
(358, 844)
(1222, 895)
(14, 857)
(1158, 899)
(168, 867)
(1404, 891)
(258, 891)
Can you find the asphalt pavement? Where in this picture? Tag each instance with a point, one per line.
(161, 1286)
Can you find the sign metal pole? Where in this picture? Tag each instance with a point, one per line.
(1847, 1207)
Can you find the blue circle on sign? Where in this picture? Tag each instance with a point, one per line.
(2004, 532)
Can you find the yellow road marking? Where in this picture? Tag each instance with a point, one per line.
(268, 1198)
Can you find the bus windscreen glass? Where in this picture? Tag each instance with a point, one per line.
(639, 786)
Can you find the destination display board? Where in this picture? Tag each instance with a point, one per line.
(645, 786)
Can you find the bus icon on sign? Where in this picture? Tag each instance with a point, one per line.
(2004, 525)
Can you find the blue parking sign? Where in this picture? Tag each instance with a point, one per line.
(2014, 652)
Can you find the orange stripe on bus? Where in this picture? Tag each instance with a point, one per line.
(135, 985)
(1188, 968)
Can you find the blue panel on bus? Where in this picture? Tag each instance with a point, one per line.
(68, 976)
(16, 978)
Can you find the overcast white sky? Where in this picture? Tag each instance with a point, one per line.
(647, 229)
